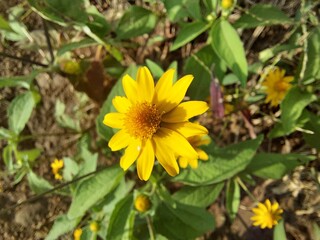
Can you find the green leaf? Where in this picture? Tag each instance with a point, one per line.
(19, 111)
(7, 158)
(93, 189)
(200, 66)
(175, 9)
(230, 79)
(292, 106)
(20, 81)
(61, 226)
(4, 25)
(6, 134)
(262, 15)
(38, 184)
(63, 119)
(279, 233)
(227, 44)
(313, 125)
(70, 169)
(155, 69)
(104, 131)
(313, 54)
(275, 166)
(29, 155)
(174, 65)
(182, 221)
(135, 22)
(233, 198)
(201, 196)
(86, 42)
(189, 32)
(89, 159)
(223, 164)
(268, 53)
(119, 226)
(316, 230)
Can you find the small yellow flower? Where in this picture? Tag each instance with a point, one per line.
(94, 226)
(142, 203)
(266, 215)
(77, 234)
(70, 67)
(226, 4)
(154, 123)
(56, 166)
(276, 86)
(195, 142)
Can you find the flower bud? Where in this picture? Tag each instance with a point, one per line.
(142, 203)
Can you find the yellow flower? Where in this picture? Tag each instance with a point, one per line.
(142, 203)
(153, 122)
(94, 226)
(77, 234)
(195, 142)
(56, 166)
(226, 4)
(266, 215)
(277, 86)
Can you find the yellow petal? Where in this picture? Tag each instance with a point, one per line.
(185, 110)
(187, 129)
(122, 104)
(114, 120)
(176, 142)
(166, 157)
(145, 84)
(177, 94)
(120, 140)
(131, 154)
(193, 162)
(130, 88)
(202, 154)
(268, 205)
(183, 162)
(288, 79)
(163, 89)
(145, 161)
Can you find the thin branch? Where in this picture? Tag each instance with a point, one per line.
(46, 33)
(22, 59)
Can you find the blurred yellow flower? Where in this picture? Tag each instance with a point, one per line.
(276, 86)
(56, 166)
(266, 215)
(153, 122)
(226, 4)
(195, 142)
(94, 226)
(142, 203)
(77, 234)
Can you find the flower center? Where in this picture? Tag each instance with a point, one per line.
(142, 120)
(281, 86)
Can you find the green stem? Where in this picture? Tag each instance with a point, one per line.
(150, 228)
(244, 187)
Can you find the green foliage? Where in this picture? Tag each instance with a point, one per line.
(201, 196)
(279, 231)
(122, 219)
(180, 221)
(94, 189)
(38, 184)
(62, 225)
(272, 165)
(312, 70)
(262, 15)
(232, 198)
(20, 111)
(189, 32)
(135, 22)
(227, 44)
(223, 164)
